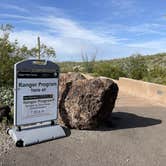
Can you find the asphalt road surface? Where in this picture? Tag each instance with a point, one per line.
(138, 138)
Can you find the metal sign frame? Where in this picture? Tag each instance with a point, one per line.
(39, 70)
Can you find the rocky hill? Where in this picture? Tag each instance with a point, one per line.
(149, 68)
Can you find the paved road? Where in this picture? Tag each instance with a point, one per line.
(137, 139)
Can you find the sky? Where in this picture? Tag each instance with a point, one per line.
(108, 29)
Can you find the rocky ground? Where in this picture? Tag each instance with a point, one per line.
(6, 142)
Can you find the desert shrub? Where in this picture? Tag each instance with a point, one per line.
(6, 96)
(156, 74)
(135, 67)
(109, 70)
(7, 71)
(88, 61)
(8, 122)
(67, 66)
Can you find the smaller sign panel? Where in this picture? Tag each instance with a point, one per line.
(36, 95)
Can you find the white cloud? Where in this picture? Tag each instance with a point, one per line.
(13, 7)
(65, 35)
(15, 16)
(70, 29)
(136, 30)
(65, 27)
(155, 44)
(66, 48)
(52, 10)
(148, 28)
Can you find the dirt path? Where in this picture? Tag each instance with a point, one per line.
(138, 139)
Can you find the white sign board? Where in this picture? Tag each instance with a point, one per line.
(36, 97)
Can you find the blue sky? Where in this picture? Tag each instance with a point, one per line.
(110, 28)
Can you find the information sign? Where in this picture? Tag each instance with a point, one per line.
(36, 92)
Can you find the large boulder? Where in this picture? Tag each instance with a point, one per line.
(68, 77)
(86, 103)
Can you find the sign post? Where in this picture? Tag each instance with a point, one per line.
(35, 102)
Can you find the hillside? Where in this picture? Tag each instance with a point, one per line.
(151, 68)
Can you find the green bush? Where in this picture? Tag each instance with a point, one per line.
(6, 96)
(6, 122)
(156, 74)
(88, 61)
(135, 67)
(109, 70)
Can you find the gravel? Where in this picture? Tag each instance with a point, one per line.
(6, 143)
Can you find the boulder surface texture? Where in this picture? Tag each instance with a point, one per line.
(86, 103)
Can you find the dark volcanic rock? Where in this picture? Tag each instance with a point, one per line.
(85, 104)
(4, 112)
(68, 77)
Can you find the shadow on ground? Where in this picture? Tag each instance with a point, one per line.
(124, 120)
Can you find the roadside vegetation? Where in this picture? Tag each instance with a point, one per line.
(150, 68)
